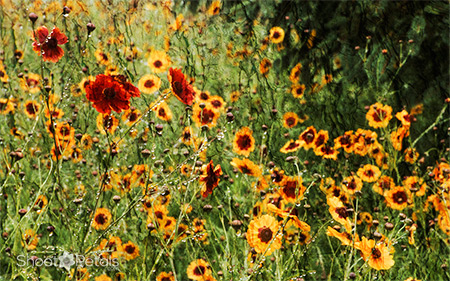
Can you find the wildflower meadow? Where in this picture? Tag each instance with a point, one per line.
(224, 140)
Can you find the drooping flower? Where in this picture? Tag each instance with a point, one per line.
(111, 93)
(295, 73)
(47, 44)
(198, 270)
(182, 90)
(210, 178)
(246, 166)
(214, 9)
(376, 255)
(30, 239)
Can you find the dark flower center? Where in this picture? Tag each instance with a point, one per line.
(130, 249)
(31, 109)
(342, 212)
(199, 270)
(149, 84)
(157, 64)
(379, 115)
(133, 117)
(265, 234)
(100, 219)
(52, 43)
(216, 103)
(276, 35)
(109, 93)
(177, 87)
(400, 197)
(290, 121)
(376, 254)
(162, 112)
(244, 142)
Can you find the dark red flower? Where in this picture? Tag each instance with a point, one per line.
(210, 178)
(48, 44)
(179, 86)
(111, 92)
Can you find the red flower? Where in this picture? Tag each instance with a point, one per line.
(111, 92)
(210, 178)
(179, 86)
(48, 44)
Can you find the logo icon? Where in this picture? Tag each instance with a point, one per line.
(66, 260)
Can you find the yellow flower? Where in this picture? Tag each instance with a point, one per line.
(263, 235)
(149, 84)
(276, 35)
(102, 219)
(244, 143)
(159, 61)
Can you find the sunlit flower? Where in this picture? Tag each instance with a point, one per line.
(379, 115)
(262, 235)
(159, 61)
(102, 277)
(298, 90)
(102, 219)
(397, 137)
(369, 173)
(131, 116)
(40, 203)
(207, 116)
(130, 250)
(214, 9)
(217, 102)
(163, 111)
(30, 83)
(276, 35)
(265, 66)
(291, 146)
(290, 120)
(404, 117)
(102, 57)
(246, 166)
(6, 106)
(376, 255)
(198, 270)
(345, 141)
(292, 189)
(415, 185)
(149, 84)
(47, 44)
(30, 239)
(295, 74)
(244, 143)
(164, 276)
(339, 212)
(107, 123)
(383, 184)
(398, 198)
(182, 90)
(352, 184)
(307, 137)
(345, 237)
